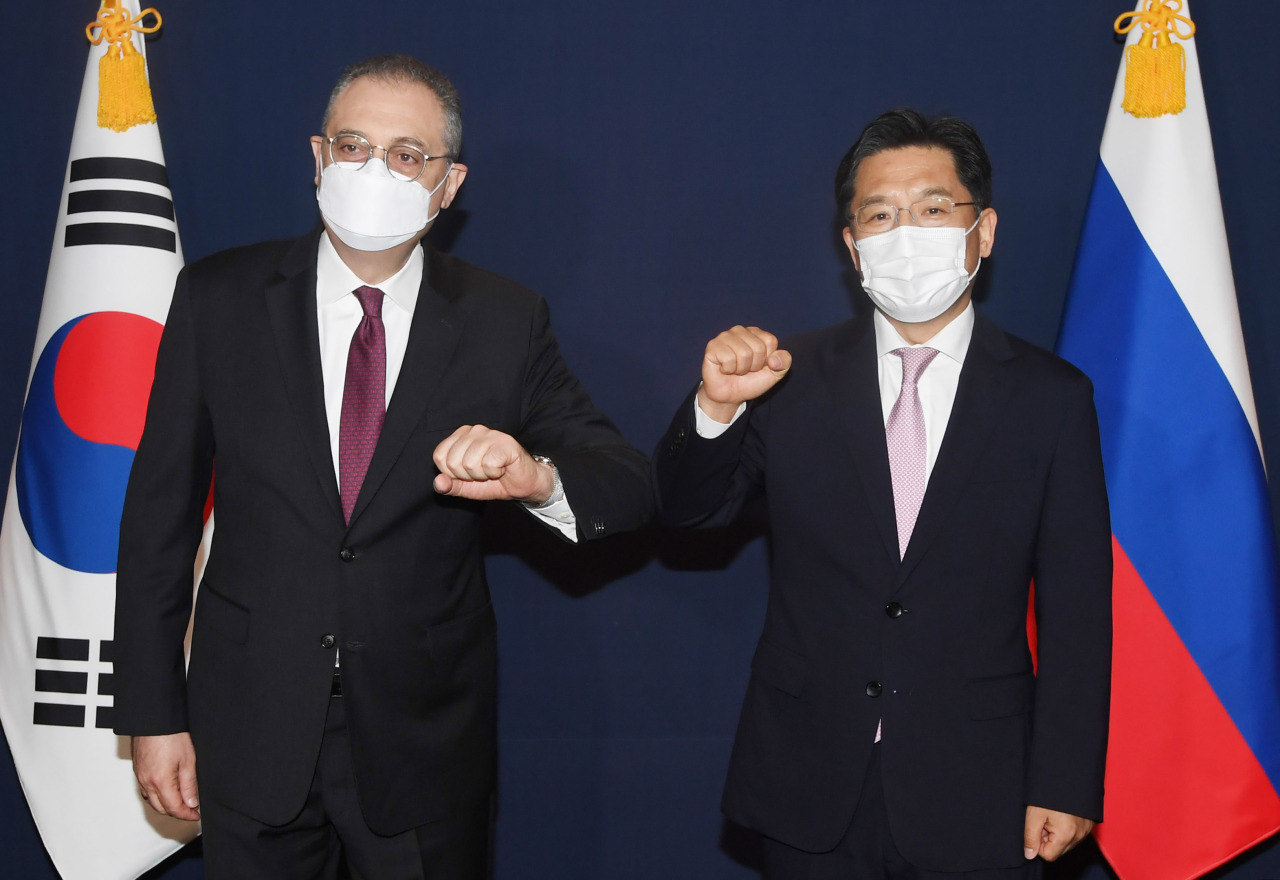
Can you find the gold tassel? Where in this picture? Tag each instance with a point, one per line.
(124, 95)
(1155, 70)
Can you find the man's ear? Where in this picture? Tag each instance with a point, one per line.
(853, 251)
(317, 143)
(453, 182)
(986, 232)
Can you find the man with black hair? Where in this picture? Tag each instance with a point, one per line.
(921, 469)
(362, 394)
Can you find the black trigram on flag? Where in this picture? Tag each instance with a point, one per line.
(111, 189)
(71, 682)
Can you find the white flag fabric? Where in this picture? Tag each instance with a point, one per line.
(111, 274)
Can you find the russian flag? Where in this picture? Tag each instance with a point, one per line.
(1194, 758)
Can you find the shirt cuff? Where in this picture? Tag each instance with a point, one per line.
(557, 514)
(708, 427)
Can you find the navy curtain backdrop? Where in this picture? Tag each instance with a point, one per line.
(659, 171)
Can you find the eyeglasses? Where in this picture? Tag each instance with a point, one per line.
(403, 160)
(877, 218)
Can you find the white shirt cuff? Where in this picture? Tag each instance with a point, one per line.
(708, 427)
(557, 514)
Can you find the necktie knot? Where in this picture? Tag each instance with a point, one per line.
(370, 300)
(914, 360)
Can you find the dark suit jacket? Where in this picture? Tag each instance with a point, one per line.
(934, 644)
(401, 591)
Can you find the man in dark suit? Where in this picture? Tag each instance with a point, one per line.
(360, 393)
(921, 469)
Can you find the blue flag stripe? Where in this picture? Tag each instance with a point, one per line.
(1188, 493)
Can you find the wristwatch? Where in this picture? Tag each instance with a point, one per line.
(557, 490)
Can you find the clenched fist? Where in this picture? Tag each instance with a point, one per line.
(486, 465)
(739, 365)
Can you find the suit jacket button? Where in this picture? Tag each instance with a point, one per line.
(874, 689)
(346, 554)
(327, 641)
(894, 610)
(676, 444)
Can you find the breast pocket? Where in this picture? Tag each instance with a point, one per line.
(449, 418)
(1005, 466)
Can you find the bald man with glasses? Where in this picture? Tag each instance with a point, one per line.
(361, 396)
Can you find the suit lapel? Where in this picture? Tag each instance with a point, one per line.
(856, 389)
(291, 306)
(433, 335)
(981, 395)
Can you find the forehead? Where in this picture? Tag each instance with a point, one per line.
(908, 173)
(385, 111)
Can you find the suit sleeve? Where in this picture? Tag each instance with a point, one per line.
(160, 531)
(605, 478)
(1073, 567)
(705, 482)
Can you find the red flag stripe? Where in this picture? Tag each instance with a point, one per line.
(1174, 752)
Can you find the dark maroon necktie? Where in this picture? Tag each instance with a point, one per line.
(364, 398)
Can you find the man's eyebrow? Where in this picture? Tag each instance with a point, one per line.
(935, 190)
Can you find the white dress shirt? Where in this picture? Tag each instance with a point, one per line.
(936, 385)
(339, 314)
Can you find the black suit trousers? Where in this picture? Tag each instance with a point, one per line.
(868, 851)
(330, 840)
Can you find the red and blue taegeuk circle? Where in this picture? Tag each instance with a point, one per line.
(80, 429)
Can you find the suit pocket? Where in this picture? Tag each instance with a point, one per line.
(780, 667)
(1001, 696)
(449, 419)
(448, 642)
(217, 614)
(1004, 469)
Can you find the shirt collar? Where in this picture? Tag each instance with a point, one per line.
(952, 340)
(334, 279)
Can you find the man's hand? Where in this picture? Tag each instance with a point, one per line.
(486, 465)
(166, 770)
(1049, 833)
(739, 365)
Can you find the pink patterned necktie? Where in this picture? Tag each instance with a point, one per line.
(364, 398)
(905, 435)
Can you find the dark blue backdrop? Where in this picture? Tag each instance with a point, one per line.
(658, 171)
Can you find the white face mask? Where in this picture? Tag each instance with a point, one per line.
(915, 273)
(369, 209)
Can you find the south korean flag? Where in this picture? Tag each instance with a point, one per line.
(116, 255)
